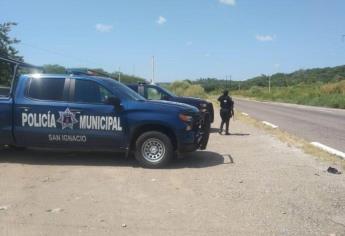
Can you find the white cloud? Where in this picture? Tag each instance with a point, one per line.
(228, 2)
(161, 20)
(103, 28)
(265, 38)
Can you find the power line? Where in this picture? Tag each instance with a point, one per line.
(69, 56)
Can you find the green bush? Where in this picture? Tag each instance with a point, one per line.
(185, 88)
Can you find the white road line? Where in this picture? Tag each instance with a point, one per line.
(270, 124)
(328, 149)
(245, 114)
(321, 109)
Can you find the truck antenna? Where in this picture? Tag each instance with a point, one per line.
(153, 70)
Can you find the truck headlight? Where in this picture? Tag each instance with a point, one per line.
(186, 118)
(203, 107)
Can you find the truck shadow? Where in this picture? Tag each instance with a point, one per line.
(200, 159)
(216, 130)
(59, 157)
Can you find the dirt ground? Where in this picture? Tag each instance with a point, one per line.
(249, 183)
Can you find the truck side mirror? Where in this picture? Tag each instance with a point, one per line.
(165, 97)
(114, 101)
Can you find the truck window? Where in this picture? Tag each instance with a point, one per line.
(90, 92)
(46, 89)
(153, 94)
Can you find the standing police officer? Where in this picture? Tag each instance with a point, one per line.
(226, 111)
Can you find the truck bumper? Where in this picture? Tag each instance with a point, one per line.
(193, 140)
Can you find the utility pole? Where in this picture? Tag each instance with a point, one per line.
(230, 84)
(153, 70)
(239, 85)
(269, 81)
(226, 82)
(119, 74)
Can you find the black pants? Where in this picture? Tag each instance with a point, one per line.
(225, 115)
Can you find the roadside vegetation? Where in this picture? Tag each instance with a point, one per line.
(318, 94)
(316, 87)
(186, 88)
(7, 49)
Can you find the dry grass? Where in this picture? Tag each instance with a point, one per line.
(333, 88)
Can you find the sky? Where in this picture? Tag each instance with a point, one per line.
(188, 38)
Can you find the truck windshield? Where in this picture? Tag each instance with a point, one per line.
(125, 92)
(168, 92)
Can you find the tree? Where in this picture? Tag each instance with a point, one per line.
(7, 50)
(54, 69)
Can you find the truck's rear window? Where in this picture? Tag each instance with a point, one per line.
(46, 89)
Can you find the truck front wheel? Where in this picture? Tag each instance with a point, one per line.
(154, 149)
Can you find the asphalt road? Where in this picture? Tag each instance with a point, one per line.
(315, 124)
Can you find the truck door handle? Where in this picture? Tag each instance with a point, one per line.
(24, 108)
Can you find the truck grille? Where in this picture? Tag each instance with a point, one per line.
(210, 111)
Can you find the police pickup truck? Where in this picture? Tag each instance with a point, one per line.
(97, 113)
(155, 92)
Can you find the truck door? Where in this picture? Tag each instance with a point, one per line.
(99, 125)
(38, 109)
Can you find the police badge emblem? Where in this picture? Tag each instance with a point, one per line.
(67, 119)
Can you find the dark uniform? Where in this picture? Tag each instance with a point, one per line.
(226, 111)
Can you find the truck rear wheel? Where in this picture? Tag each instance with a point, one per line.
(154, 149)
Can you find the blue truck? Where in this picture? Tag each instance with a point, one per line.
(87, 112)
(156, 92)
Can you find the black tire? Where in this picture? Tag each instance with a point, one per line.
(206, 127)
(154, 149)
(207, 123)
